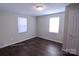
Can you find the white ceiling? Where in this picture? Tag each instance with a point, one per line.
(28, 8)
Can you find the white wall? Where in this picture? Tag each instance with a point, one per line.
(43, 27)
(8, 29)
(37, 26)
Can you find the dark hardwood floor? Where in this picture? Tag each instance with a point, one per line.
(34, 47)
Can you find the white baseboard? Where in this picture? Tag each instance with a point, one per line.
(16, 42)
(27, 39)
(72, 51)
(50, 39)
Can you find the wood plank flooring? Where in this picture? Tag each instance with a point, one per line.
(34, 47)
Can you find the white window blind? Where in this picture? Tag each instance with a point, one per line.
(54, 24)
(22, 24)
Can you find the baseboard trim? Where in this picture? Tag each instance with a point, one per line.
(28, 39)
(50, 39)
(69, 52)
(17, 42)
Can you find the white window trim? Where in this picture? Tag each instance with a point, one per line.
(21, 24)
(53, 26)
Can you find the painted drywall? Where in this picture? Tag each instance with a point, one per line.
(43, 27)
(36, 27)
(9, 29)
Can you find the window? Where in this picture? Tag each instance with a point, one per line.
(22, 24)
(54, 25)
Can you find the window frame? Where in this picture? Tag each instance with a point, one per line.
(58, 25)
(19, 28)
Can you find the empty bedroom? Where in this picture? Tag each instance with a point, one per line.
(39, 29)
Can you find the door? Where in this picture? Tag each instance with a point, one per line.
(71, 35)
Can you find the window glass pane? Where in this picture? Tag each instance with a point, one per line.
(22, 24)
(54, 25)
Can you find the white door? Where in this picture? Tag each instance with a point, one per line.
(71, 30)
(71, 36)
